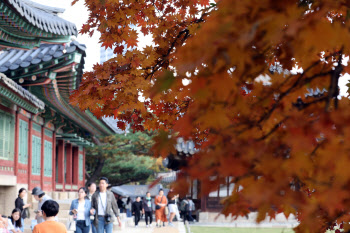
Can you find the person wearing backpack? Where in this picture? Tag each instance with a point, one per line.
(184, 207)
(148, 209)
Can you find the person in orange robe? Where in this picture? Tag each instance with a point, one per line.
(161, 201)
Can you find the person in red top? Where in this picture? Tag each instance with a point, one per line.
(161, 201)
(50, 209)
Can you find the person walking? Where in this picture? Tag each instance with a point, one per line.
(183, 206)
(160, 201)
(50, 210)
(172, 207)
(92, 190)
(121, 204)
(19, 204)
(15, 224)
(191, 207)
(177, 212)
(142, 212)
(41, 197)
(104, 207)
(185, 210)
(80, 208)
(148, 209)
(128, 207)
(136, 210)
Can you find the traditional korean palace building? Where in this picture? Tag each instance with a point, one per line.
(42, 137)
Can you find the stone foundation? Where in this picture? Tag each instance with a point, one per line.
(8, 195)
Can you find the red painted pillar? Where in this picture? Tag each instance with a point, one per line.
(53, 161)
(30, 128)
(75, 170)
(16, 142)
(84, 166)
(69, 164)
(30, 146)
(61, 163)
(42, 158)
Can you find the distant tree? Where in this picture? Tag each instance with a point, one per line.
(123, 169)
(117, 155)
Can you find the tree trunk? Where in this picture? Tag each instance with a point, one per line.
(97, 172)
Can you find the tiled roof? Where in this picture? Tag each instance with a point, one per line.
(112, 123)
(138, 190)
(44, 17)
(21, 92)
(16, 58)
(49, 9)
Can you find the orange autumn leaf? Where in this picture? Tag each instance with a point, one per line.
(220, 73)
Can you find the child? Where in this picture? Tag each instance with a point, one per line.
(15, 221)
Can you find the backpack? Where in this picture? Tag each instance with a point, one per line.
(184, 205)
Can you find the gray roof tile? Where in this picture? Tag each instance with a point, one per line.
(15, 58)
(44, 17)
(138, 190)
(21, 91)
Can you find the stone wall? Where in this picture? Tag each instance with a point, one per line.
(8, 195)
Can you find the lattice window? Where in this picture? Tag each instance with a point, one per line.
(7, 136)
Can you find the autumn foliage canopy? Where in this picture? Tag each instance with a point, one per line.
(283, 137)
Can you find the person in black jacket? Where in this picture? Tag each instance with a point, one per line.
(147, 205)
(19, 204)
(121, 204)
(136, 209)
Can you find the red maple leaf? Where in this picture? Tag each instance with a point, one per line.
(121, 125)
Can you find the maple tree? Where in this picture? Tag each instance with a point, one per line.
(283, 143)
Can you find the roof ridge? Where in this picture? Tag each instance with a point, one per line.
(49, 9)
(44, 17)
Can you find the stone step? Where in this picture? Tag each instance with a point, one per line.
(64, 204)
(63, 214)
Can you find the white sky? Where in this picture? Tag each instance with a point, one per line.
(78, 14)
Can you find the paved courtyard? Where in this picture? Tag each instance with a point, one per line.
(178, 227)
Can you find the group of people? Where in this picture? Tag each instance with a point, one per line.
(164, 207)
(15, 222)
(95, 209)
(92, 209)
(186, 208)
